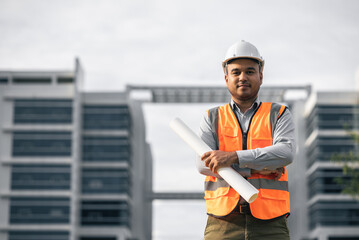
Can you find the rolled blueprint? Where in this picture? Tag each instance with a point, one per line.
(242, 186)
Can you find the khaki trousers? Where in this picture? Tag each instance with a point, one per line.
(239, 226)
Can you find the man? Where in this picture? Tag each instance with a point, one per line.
(257, 140)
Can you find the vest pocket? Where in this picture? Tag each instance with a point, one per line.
(230, 140)
(230, 132)
(270, 204)
(219, 192)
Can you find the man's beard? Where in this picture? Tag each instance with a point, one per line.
(244, 97)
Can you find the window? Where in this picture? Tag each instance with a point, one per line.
(330, 213)
(98, 238)
(39, 210)
(105, 180)
(44, 111)
(324, 148)
(32, 80)
(322, 181)
(311, 122)
(41, 143)
(65, 80)
(38, 235)
(40, 177)
(105, 213)
(344, 238)
(106, 117)
(109, 149)
(3, 80)
(331, 117)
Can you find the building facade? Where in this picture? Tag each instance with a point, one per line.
(319, 210)
(75, 165)
(72, 165)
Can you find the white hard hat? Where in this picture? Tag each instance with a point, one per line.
(243, 49)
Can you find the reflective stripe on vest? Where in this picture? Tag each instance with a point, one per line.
(273, 197)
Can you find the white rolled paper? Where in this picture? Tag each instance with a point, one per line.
(242, 186)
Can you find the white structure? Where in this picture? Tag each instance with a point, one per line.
(319, 210)
(69, 171)
(66, 165)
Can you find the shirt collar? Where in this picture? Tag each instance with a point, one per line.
(254, 105)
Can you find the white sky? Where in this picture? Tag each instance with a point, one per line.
(123, 42)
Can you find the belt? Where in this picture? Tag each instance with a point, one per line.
(240, 209)
(243, 209)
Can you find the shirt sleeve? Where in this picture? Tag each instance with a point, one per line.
(206, 134)
(280, 154)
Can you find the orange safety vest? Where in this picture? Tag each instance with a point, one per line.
(273, 197)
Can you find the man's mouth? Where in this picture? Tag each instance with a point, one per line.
(243, 86)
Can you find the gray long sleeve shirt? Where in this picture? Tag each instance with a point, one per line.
(280, 154)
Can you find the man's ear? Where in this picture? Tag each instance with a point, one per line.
(226, 78)
(261, 77)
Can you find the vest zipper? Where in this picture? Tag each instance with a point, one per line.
(245, 134)
(244, 139)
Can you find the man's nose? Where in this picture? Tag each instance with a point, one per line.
(243, 76)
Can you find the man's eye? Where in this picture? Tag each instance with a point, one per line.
(235, 73)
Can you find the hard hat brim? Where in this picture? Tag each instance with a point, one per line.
(260, 60)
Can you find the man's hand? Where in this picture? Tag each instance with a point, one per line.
(217, 159)
(276, 173)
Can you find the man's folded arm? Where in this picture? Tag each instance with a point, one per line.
(280, 154)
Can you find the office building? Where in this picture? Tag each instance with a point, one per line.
(319, 210)
(72, 163)
(75, 165)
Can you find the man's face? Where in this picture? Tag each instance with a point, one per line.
(243, 79)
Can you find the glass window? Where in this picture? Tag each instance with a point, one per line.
(330, 213)
(39, 210)
(324, 148)
(39, 235)
(106, 117)
(105, 213)
(41, 143)
(65, 79)
(322, 181)
(105, 180)
(42, 111)
(344, 238)
(311, 122)
(3, 80)
(40, 177)
(32, 80)
(331, 117)
(98, 238)
(102, 148)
